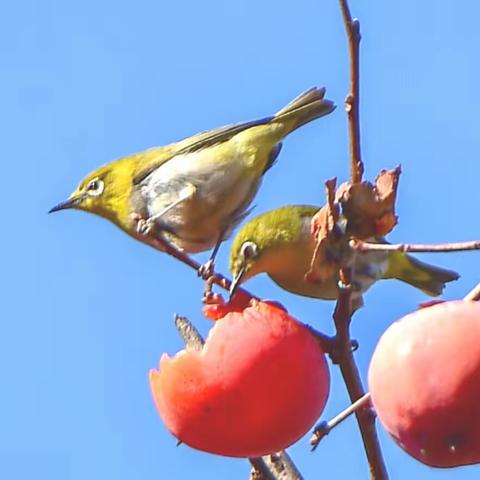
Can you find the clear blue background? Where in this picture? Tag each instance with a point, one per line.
(87, 311)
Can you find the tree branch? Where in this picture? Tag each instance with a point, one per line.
(417, 247)
(280, 465)
(215, 278)
(260, 470)
(344, 358)
(352, 27)
(343, 310)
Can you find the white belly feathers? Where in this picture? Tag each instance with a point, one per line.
(215, 195)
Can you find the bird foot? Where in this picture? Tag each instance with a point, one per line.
(206, 270)
(211, 298)
(144, 225)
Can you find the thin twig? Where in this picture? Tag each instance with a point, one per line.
(324, 428)
(352, 27)
(417, 247)
(474, 295)
(215, 278)
(278, 466)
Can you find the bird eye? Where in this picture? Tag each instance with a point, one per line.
(95, 187)
(249, 250)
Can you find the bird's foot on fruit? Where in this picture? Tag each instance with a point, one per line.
(209, 297)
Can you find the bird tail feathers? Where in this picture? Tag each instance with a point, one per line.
(428, 278)
(308, 106)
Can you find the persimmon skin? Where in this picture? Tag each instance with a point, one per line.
(219, 307)
(424, 378)
(258, 385)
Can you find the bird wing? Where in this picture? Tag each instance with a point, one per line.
(191, 144)
(218, 135)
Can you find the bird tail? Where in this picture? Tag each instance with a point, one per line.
(428, 278)
(308, 106)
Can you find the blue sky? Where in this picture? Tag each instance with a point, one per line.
(88, 311)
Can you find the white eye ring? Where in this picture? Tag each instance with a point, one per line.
(95, 187)
(249, 250)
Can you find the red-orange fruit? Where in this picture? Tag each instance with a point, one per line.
(424, 378)
(258, 385)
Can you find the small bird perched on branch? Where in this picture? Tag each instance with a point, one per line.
(191, 194)
(280, 244)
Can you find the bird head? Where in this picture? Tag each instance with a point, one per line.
(243, 257)
(258, 246)
(105, 192)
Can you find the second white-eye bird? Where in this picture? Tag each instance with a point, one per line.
(280, 244)
(192, 193)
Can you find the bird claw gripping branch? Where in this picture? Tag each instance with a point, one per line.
(207, 269)
(144, 226)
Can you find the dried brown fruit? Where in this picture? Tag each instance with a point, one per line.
(370, 209)
(323, 226)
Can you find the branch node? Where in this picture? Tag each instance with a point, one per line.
(349, 103)
(355, 25)
(345, 287)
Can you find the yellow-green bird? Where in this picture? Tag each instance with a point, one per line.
(279, 243)
(191, 194)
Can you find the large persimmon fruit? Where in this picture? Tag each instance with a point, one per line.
(258, 385)
(424, 379)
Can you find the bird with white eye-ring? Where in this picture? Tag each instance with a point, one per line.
(188, 196)
(95, 187)
(248, 251)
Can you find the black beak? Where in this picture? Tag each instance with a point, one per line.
(70, 203)
(236, 282)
